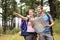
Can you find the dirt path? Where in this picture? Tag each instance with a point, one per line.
(11, 37)
(4, 37)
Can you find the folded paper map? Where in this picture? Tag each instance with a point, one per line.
(39, 24)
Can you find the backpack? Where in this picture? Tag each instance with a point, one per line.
(51, 30)
(24, 28)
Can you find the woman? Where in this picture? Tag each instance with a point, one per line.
(32, 34)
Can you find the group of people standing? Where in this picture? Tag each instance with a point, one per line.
(46, 34)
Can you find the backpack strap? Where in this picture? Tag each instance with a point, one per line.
(28, 19)
(51, 30)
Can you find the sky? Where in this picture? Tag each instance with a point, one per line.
(18, 1)
(0, 10)
(59, 0)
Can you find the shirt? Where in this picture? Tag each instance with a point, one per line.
(46, 19)
(29, 27)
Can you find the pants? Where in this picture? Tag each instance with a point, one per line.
(46, 36)
(31, 36)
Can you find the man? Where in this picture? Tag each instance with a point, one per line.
(46, 34)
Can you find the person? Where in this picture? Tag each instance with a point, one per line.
(46, 34)
(32, 34)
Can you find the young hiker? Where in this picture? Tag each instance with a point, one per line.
(46, 34)
(32, 35)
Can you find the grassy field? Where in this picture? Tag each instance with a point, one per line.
(56, 27)
(18, 37)
(56, 36)
(11, 37)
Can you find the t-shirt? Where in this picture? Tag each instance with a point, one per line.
(29, 27)
(46, 19)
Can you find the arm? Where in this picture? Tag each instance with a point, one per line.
(18, 15)
(52, 23)
(51, 20)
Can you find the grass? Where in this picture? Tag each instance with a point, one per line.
(15, 37)
(18, 37)
(56, 37)
(11, 37)
(56, 27)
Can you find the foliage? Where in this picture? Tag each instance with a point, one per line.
(56, 26)
(15, 30)
(1, 31)
(57, 6)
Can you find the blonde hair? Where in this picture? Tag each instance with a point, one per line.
(39, 6)
(31, 10)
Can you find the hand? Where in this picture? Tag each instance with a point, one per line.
(32, 23)
(14, 13)
(47, 25)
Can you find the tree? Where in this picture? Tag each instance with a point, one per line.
(31, 3)
(52, 8)
(57, 5)
(8, 6)
(4, 15)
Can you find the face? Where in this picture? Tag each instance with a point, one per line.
(39, 10)
(31, 13)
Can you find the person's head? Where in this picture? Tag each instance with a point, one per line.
(31, 12)
(39, 9)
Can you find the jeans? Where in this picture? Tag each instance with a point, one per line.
(31, 36)
(46, 36)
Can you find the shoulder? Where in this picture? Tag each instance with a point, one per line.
(49, 15)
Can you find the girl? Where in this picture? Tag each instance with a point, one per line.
(32, 34)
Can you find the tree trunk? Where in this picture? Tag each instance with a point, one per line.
(4, 17)
(41, 2)
(52, 8)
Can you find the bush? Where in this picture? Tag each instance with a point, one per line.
(1, 31)
(57, 26)
(15, 30)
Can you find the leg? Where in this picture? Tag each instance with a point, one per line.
(42, 36)
(49, 37)
(29, 37)
(34, 36)
(25, 37)
(38, 36)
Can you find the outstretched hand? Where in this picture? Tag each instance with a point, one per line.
(14, 13)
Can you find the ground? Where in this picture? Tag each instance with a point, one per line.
(18, 37)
